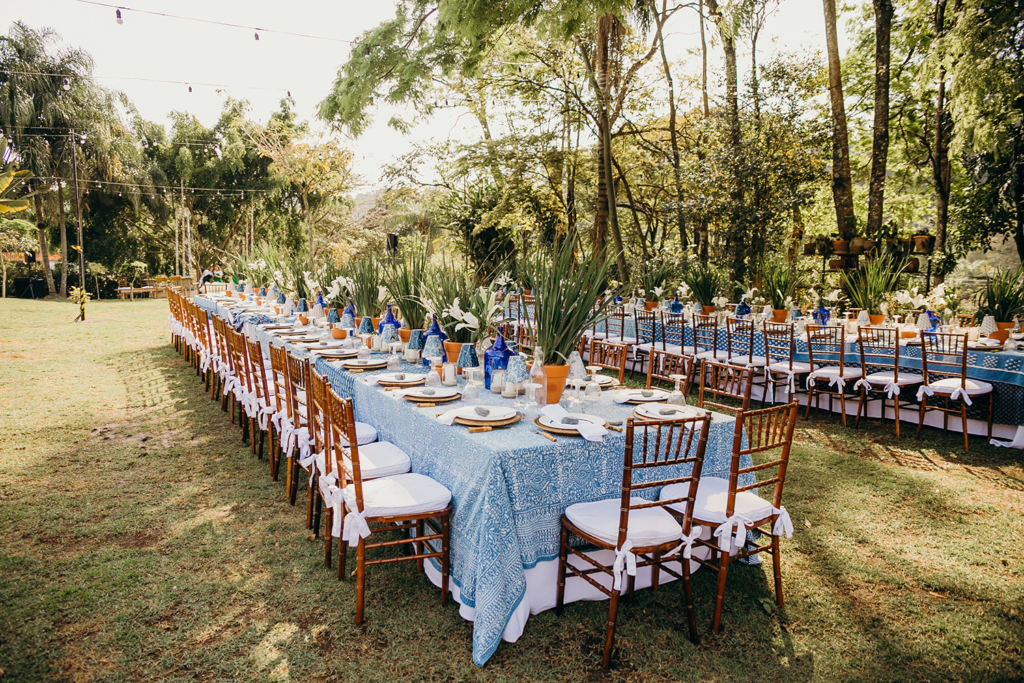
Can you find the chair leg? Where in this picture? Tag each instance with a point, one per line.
(691, 614)
(328, 549)
(655, 571)
(842, 404)
(445, 557)
(920, 418)
(317, 506)
(991, 400)
(312, 491)
(342, 549)
(895, 413)
(609, 638)
(963, 420)
(723, 568)
(810, 399)
(563, 549)
(417, 545)
(777, 569)
(360, 579)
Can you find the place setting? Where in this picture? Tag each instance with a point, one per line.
(480, 418)
(637, 396)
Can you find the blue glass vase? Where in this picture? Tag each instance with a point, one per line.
(350, 309)
(934, 320)
(742, 309)
(281, 298)
(821, 315)
(496, 358)
(435, 330)
(302, 306)
(388, 319)
(677, 307)
(320, 300)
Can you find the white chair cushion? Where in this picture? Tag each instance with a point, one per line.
(713, 496)
(364, 434)
(831, 371)
(649, 526)
(886, 378)
(717, 354)
(629, 341)
(380, 459)
(756, 361)
(798, 368)
(973, 386)
(403, 494)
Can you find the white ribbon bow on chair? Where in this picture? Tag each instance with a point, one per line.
(783, 523)
(724, 533)
(924, 391)
(334, 499)
(960, 393)
(624, 556)
(306, 462)
(686, 544)
(355, 525)
(837, 381)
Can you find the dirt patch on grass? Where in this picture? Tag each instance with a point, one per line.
(138, 539)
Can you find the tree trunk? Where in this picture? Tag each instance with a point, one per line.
(1018, 192)
(606, 26)
(600, 238)
(880, 132)
(797, 236)
(43, 247)
(632, 208)
(63, 242)
(309, 223)
(943, 135)
(677, 174)
(702, 226)
(842, 187)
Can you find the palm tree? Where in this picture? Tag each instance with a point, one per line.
(41, 88)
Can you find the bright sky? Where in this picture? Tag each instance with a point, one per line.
(189, 52)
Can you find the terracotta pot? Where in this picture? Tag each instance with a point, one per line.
(527, 292)
(375, 321)
(836, 264)
(857, 245)
(404, 333)
(338, 333)
(876, 319)
(1004, 326)
(869, 245)
(809, 249)
(923, 243)
(913, 265)
(303, 319)
(452, 350)
(779, 315)
(708, 310)
(650, 305)
(556, 376)
(1000, 336)
(908, 334)
(841, 246)
(277, 310)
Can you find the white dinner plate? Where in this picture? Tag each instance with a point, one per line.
(313, 345)
(364, 362)
(495, 413)
(556, 424)
(407, 378)
(638, 395)
(439, 392)
(652, 411)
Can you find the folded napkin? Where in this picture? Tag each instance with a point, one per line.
(626, 396)
(588, 430)
(448, 417)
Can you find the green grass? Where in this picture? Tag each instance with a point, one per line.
(140, 541)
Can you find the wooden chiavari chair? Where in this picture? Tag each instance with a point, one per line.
(724, 381)
(262, 401)
(645, 324)
(242, 385)
(223, 365)
(300, 439)
(673, 334)
(739, 340)
(705, 338)
(880, 369)
(608, 355)
(965, 320)
(944, 367)
(640, 532)
(733, 509)
(664, 365)
(408, 502)
(826, 351)
(779, 348)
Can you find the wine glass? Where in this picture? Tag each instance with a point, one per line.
(677, 397)
(394, 360)
(532, 409)
(433, 378)
(575, 403)
(470, 392)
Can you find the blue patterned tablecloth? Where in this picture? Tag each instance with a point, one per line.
(509, 486)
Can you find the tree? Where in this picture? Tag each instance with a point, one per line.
(842, 184)
(880, 131)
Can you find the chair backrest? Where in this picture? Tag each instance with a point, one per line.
(319, 416)
(739, 334)
(343, 445)
(943, 355)
(778, 343)
(724, 380)
(879, 350)
(673, 331)
(664, 364)
(615, 323)
(257, 370)
(279, 377)
(671, 446)
(298, 381)
(644, 322)
(220, 334)
(705, 333)
(768, 431)
(122, 281)
(609, 355)
(826, 346)
(965, 319)
(236, 352)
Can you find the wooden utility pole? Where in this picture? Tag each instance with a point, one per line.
(78, 213)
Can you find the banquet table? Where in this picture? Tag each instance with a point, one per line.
(509, 489)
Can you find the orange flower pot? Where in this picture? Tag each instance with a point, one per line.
(404, 333)
(779, 315)
(1001, 335)
(876, 319)
(452, 351)
(556, 376)
(338, 333)
(708, 310)
(650, 305)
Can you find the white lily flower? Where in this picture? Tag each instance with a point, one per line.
(749, 294)
(382, 292)
(658, 291)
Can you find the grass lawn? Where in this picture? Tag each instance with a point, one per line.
(140, 541)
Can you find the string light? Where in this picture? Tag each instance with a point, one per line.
(257, 35)
(66, 85)
(190, 88)
(140, 78)
(119, 19)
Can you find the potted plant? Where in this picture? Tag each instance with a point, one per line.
(839, 245)
(566, 306)
(867, 286)
(447, 289)
(365, 287)
(704, 283)
(779, 282)
(404, 278)
(823, 244)
(653, 281)
(923, 242)
(809, 248)
(1003, 297)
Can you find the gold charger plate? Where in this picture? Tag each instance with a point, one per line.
(432, 399)
(560, 431)
(335, 352)
(367, 366)
(402, 384)
(465, 421)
